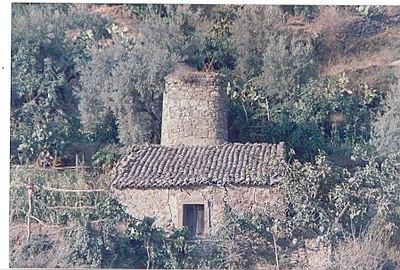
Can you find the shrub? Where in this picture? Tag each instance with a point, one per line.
(218, 50)
(38, 244)
(325, 114)
(105, 158)
(43, 110)
(331, 24)
(38, 129)
(386, 127)
(50, 206)
(320, 195)
(39, 252)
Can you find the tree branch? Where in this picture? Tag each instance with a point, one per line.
(342, 212)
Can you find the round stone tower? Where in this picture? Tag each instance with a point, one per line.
(194, 109)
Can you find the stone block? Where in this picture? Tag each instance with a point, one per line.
(200, 102)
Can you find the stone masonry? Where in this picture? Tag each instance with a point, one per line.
(166, 204)
(194, 109)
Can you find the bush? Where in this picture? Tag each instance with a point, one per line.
(37, 132)
(39, 252)
(386, 127)
(331, 23)
(105, 159)
(324, 114)
(38, 244)
(43, 110)
(45, 201)
(321, 195)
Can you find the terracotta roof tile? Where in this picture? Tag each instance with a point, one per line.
(147, 166)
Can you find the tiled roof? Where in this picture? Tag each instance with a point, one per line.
(147, 166)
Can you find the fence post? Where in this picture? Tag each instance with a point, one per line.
(76, 162)
(29, 188)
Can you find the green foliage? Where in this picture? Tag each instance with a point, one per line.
(38, 244)
(324, 114)
(40, 252)
(218, 51)
(112, 238)
(321, 195)
(129, 81)
(268, 59)
(105, 158)
(45, 40)
(60, 31)
(119, 80)
(356, 251)
(253, 29)
(371, 11)
(53, 207)
(144, 10)
(140, 10)
(101, 233)
(39, 128)
(238, 239)
(386, 127)
(306, 11)
(287, 63)
(321, 200)
(245, 239)
(98, 242)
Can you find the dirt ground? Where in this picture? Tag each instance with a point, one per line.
(27, 255)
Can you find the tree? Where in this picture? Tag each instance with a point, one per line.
(269, 58)
(252, 30)
(324, 197)
(129, 81)
(287, 63)
(39, 127)
(43, 107)
(324, 114)
(218, 51)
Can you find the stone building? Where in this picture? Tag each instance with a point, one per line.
(194, 109)
(190, 178)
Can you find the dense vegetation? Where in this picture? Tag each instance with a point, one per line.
(88, 79)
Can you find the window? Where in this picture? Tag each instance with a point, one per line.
(193, 218)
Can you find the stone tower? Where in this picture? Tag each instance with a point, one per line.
(194, 109)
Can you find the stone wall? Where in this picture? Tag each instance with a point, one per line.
(194, 109)
(166, 204)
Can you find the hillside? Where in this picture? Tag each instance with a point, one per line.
(365, 48)
(92, 82)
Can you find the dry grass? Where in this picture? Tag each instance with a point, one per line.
(364, 58)
(368, 251)
(379, 51)
(331, 24)
(332, 21)
(46, 248)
